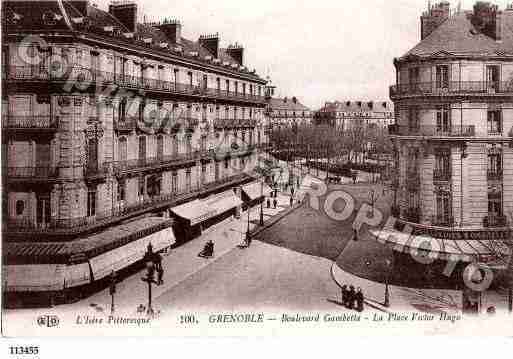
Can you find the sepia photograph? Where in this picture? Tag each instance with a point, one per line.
(235, 168)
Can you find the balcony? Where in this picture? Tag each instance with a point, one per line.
(96, 171)
(412, 180)
(494, 175)
(29, 122)
(73, 226)
(442, 175)
(451, 88)
(443, 220)
(432, 131)
(127, 124)
(31, 173)
(494, 221)
(412, 215)
(137, 165)
(84, 77)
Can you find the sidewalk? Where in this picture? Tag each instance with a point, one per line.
(182, 262)
(400, 298)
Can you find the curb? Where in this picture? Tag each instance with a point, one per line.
(370, 302)
(272, 221)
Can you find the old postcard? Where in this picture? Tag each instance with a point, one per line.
(230, 168)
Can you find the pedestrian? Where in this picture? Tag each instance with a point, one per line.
(291, 201)
(268, 203)
(351, 295)
(275, 202)
(344, 295)
(359, 299)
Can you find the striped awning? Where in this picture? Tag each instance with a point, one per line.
(482, 251)
(256, 190)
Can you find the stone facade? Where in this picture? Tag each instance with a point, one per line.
(99, 124)
(454, 127)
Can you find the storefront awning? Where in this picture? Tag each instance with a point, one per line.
(483, 251)
(121, 257)
(255, 190)
(195, 211)
(222, 202)
(32, 277)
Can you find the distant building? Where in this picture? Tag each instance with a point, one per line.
(286, 112)
(345, 114)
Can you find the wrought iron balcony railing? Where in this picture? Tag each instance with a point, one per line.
(491, 221)
(121, 210)
(442, 220)
(83, 77)
(412, 214)
(432, 131)
(29, 122)
(494, 174)
(452, 88)
(442, 174)
(31, 173)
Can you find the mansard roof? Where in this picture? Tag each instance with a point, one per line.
(287, 104)
(456, 36)
(54, 15)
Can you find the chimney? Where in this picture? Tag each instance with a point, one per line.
(237, 53)
(434, 17)
(504, 22)
(294, 99)
(126, 13)
(486, 18)
(81, 6)
(173, 30)
(211, 43)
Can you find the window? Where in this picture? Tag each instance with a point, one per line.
(141, 186)
(121, 190)
(122, 110)
(443, 121)
(227, 83)
(413, 73)
(494, 204)
(203, 173)
(413, 200)
(217, 171)
(203, 143)
(174, 182)
(492, 77)
(443, 208)
(413, 118)
(190, 81)
(442, 171)
(494, 163)
(218, 84)
(226, 163)
(442, 76)
(494, 122)
(91, 202)
(20, 207)
(188, 180)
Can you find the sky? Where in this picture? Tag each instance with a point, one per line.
(318, 51)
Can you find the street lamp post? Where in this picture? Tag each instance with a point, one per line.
(112, 291)
(150, 275)
(387, 280)
(262, 202)
(248, 234)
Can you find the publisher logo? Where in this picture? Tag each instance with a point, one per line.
(48, 321)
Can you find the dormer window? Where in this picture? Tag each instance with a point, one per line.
(77, 20)
(164, 45)
(147, 40)
(193, 53)
(128, 35)
(108, 28)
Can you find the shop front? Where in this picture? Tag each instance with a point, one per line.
(196, 217)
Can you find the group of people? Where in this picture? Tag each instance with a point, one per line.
(352, 299)
(275, 202)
